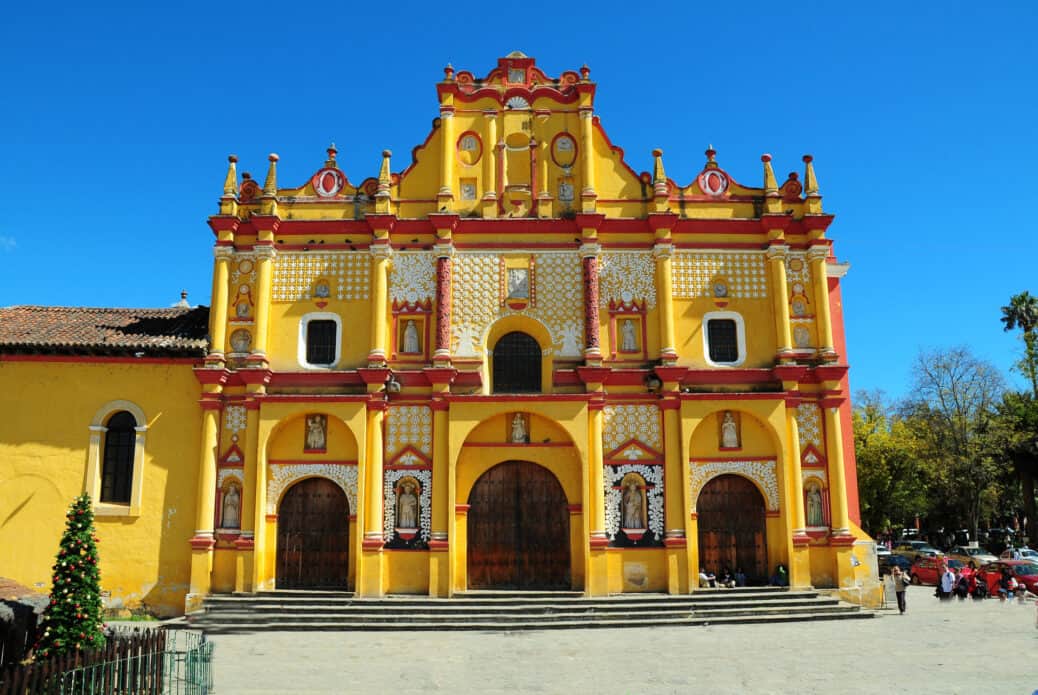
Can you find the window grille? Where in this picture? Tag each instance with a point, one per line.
(517, 364)
(722, 337)
(117, 470)
(320, 342)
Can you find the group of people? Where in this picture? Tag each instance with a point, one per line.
(726, 579)
(953, 582)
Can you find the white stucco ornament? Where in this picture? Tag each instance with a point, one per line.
(613, 477)
(761, 472)
(284, 475)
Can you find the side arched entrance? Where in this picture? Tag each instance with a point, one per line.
(518, 529)
(313, 536)
(732, 527)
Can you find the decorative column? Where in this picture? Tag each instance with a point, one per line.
(444, 276)
(489, 163)
(776, 255)
(370, 570)
(816, 258)
(533, 176)
(592, 345)
(381, 252)
(260, 579)
(218, 312)
(445, 197)
(597, 577)
(587, 193)
(673, 497)
(841, 523)
(245, 544)
(542, 193)
(203, 541)
(439, 544)
(663, 252)
(265, 253)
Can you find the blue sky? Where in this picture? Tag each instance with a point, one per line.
(115, 124)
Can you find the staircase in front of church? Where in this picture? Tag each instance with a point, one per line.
(512, 610)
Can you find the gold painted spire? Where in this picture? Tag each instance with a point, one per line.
(230, 184)
(812, 198)
(270, 186)
(770, 182)
(330, 162)
(385, 181)
(659, 176)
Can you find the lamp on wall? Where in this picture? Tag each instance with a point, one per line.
(653, 383)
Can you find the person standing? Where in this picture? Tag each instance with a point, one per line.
(900, 584)
(947, 583)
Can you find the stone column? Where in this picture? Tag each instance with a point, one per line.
(370, 575)
(444, 276)
(203, 541)
(587, 193)
(265, 254)
(592, 344)
(260, 579)
(800, 557)
(445, 197)
(663, 253)
(674, 497)
(597, 577)
(218, 311)
(490, 163)
(840, 520)
(776, 255)
(245, 545)
(816, 258)
(381, 252)
(439, 544)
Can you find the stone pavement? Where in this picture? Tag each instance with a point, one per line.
(974, 647)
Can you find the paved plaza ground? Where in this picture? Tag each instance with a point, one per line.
(975, 647)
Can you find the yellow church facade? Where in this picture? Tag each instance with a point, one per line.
(518, 363)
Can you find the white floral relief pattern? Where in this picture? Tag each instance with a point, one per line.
(412, 277)
(391, 478)
(624, 422)
(408, 425)
(347, 271)
(809, 425)
(225, 474)
(283, 475)
(234, 418)
(744, 273)
(626, 276)
(798, 280)
(614, 476)
(761, 472)
(558, 304)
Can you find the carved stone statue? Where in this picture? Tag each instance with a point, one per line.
(629, 342)
(566, 191)
(407, 506)
(632, 506)
(412, 345)
(729, 432)
(231, 516)
(518, 283)
(316, 432)
(815, 517)
(519, 433)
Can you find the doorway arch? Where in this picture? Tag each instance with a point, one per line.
(518, 529)
(732, 527)
(313, 536)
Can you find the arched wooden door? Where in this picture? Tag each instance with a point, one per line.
(518, 529)
(313, 536)
(732, 530)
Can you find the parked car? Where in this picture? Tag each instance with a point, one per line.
(1025, 554)
(927, 570)
(973, 556)
(1025, 571)
(882, 550)
(913, 549)
(888, 562)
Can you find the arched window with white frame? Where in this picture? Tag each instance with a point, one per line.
(115, 459)
(724, 339)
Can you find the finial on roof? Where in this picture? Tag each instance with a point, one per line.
(517, 54)
(230, 183)
(448, 73)
(659, 176)
(711, 153)
(810, 181)
(770, 183)
(384, 182)
(183, 300)
(330, 162)
(585, 72)
(270, 186)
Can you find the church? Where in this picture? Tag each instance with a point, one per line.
(515, 362)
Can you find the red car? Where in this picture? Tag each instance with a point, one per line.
(1025, 571)
(927, 570)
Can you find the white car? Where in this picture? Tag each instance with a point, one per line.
(1025, 554)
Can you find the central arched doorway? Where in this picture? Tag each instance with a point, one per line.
(732, 530)
(313, 536)
(518, 529)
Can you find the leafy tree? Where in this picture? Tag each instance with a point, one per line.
(1022, 312)
(893, 481)
(72, 620)
(1018, 440)
(952, 412)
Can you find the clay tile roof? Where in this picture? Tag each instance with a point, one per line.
(178, 331)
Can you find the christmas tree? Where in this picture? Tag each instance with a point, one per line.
(72, 619)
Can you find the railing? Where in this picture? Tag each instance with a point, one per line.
(138, 662)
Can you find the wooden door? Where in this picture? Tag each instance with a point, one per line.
(732, 527)
(313, 536)
(518, 529)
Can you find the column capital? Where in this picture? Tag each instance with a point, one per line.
(264, 251)
(817, 252)
(381, 251)
(223, 252)
(663, 250)
(589, 250)
(776, 251)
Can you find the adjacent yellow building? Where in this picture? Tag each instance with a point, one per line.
(518, 363)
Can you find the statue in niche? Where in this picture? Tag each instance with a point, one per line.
(241, 341)
(407, 506)
(801, 337)
(814, 507)
(632, 506)
(566, 191)
(519, 433)
(729, 432)
(322, 291)
(518, 283)
(412, 345)
(231, 516)
(242, 310)
(629, 341)
(316, 432)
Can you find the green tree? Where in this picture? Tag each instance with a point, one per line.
(893, 481)
(1018, 440)
(72, 619)
(1022, 313)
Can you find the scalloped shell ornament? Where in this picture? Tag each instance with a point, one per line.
(516, 103)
